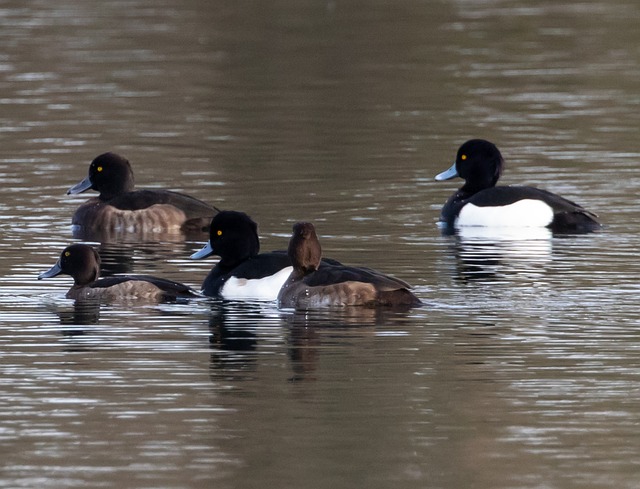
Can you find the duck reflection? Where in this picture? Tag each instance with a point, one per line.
(492, 254)
(77, 318)
(79, 313)
(121, 258)
(118, 258)
(115, 236)
(309, 329)
(239, 331)
(304, 352)
(234, 329)
(115, 258)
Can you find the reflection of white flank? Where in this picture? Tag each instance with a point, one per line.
(469, 234)
(501, 250)
(523, 213)
(262, 289)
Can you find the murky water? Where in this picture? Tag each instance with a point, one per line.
(523, 369)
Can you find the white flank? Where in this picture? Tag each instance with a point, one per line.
(259, 289)
(523, 213)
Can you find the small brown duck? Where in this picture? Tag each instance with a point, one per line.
(311, 286)
(82, 262)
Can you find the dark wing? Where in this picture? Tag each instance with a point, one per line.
(262, 265)
(141, 199)
(508, 195)
(168, 286)
(329, 261)
(335, 274)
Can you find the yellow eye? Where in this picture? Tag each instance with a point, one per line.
(99, 168)
(67, 253)
(219, 233)
(463, 157)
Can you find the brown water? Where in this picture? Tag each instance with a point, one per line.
(523, 369)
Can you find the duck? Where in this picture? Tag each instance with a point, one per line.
(479, 202)
(310, 286)
(120, 207)
(82, 262)
(242, 273)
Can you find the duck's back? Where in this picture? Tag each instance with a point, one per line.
(339, 285)
(122, 287)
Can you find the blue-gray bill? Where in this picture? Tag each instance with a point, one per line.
(80, 187)
(206, 251)
(52, 272)
(448, 174)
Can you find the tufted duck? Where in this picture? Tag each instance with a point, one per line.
(120, 207)
(311, 286)
(82, 262)
(480, 203)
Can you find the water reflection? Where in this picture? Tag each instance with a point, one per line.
(347, 113)
(75, 315)
(77, 324)
(304, 345)
(240, 331)
(117, 258)
(143, 257)
(235, 329)
(112, 235)
(490, 254)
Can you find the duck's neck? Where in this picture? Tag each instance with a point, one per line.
(468, 189)
(301, 272)
(87, 277)
(110, 191)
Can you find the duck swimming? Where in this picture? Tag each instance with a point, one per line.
(243, 273)
(479, 202)
(312, 286)
(82, 262)
(120, 207)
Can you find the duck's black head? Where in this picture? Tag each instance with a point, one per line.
(233, 236)
(80, 261)
(110, 174)
(479, 163)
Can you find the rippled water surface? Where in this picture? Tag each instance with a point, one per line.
(521, 371)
